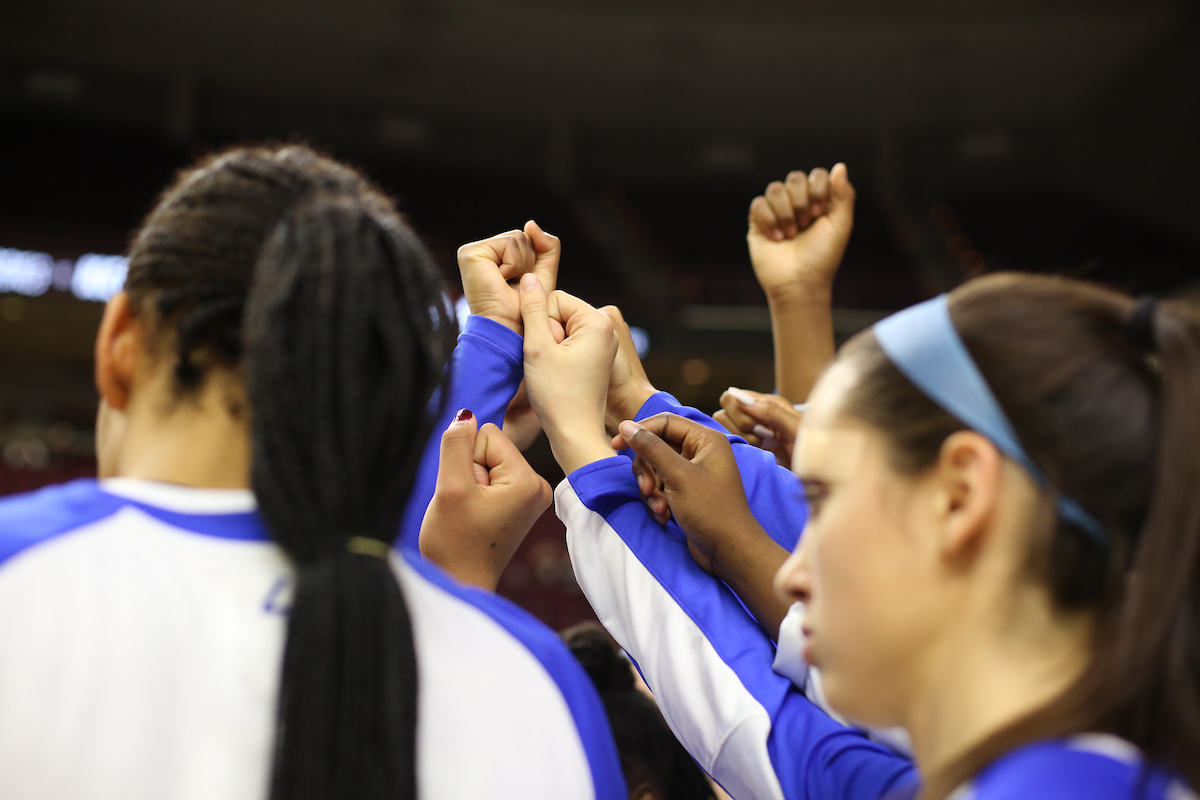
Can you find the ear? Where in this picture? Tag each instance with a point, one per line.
(968, 477)
(118, 350)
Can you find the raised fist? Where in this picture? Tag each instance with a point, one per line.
(799, 228)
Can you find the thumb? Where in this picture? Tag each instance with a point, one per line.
(456, 464)
(535, 314)
(496, 453)
(841, 197)
(548, 250)
(655, 452)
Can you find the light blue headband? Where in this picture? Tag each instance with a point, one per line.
(923, 344)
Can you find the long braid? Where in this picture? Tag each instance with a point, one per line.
(294, 269)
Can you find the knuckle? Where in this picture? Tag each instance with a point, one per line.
(455, 494)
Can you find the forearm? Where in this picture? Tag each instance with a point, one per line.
(485, 371)
(576, 445)
(802, 332)
(747, 564)
(705, 659)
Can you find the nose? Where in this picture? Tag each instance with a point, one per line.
(792, 580)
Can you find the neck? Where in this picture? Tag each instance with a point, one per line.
(195, 441)
(993, 675)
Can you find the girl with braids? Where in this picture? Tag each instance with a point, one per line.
(226, 617)
(1002, 555)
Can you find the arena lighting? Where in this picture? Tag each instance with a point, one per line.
(98, 277)
(25, 271)
(91, 277)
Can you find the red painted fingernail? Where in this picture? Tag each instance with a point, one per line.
(463, 415)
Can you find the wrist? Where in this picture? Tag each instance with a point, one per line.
(576, 446)
(740, 546)
(481, 576)
(626, 401)
(800, 292)
(513, 325)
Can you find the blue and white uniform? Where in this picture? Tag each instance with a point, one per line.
(1093, 766)
(487, 369)
(710, 666)
(141, 636)
(142, 629)
(698, 648)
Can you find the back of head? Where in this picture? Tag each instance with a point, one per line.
(654, 762)
(1104, 395)
(291, 270)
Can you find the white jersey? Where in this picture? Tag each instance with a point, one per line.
(141, 635)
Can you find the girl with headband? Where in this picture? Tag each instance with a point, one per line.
(1002, 556)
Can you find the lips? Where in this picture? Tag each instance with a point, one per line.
(807, 650)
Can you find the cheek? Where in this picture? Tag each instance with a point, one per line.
(863, 570)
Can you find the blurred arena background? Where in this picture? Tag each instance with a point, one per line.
(1044, 135)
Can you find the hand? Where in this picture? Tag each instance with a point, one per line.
(699, 478)
(799, 229)
(764, 420)
(568, 380)
(628, 388)
(521, 424)
(487, 498)
(701, 481)
(490, 269)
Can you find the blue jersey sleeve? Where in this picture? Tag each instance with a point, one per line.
(704, 657)
(773, 491)
(485, 370)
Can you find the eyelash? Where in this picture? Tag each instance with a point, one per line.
(814, 495)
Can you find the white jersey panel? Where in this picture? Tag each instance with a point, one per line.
(513, 735)
(702, 699)
(139, 660)
(141, 664)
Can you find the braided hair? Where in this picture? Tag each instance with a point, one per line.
(292, 270)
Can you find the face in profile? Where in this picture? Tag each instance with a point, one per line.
(865, 566)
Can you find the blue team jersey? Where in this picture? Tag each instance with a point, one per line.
(141, 636)
(714, 672)
(721, 683)
(1094, 766)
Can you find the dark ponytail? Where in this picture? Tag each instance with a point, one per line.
(1104, 394)
(1149, 674)
(295, 270)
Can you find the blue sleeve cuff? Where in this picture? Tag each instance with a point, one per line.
(504, 341)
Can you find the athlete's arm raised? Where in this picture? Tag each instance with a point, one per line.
(797, 233)
(485, 369)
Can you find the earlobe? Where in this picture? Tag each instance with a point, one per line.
(969, 470)
(118, 348)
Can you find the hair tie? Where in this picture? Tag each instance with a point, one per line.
(1141, 324)
(366, 546)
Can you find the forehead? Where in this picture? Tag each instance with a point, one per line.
(829, 443)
